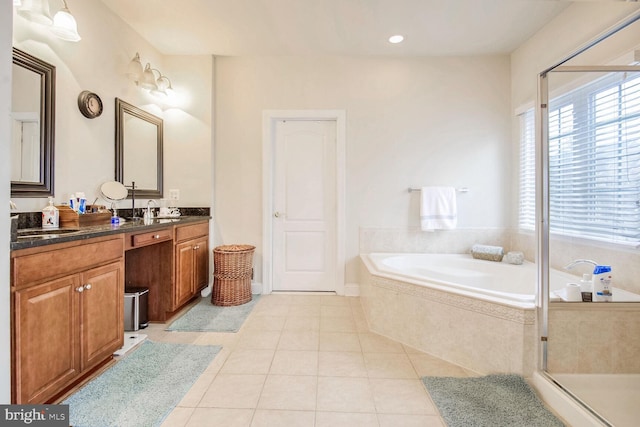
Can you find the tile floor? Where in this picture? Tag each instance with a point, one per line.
(307, 360)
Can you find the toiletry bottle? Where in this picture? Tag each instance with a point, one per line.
(50, 215)
(586, 288)
(115, 219)
(602, 283)
(82, 202)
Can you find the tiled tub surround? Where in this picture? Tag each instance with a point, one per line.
(594, 338)
(480, 335)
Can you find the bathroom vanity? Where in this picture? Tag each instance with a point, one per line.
(67, 296)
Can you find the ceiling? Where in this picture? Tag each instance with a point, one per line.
(340, 27)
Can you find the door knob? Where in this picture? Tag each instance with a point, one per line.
(278, 214)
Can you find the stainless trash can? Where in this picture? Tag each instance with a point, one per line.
(136, 301)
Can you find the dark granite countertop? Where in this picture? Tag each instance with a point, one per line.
(84, 233)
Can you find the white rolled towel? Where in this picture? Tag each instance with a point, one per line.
(487, 252)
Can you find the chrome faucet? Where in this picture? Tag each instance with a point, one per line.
(148, 215)
(579, 261)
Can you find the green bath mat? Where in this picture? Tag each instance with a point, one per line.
(142, 388)
(491, 401)
(206, 317)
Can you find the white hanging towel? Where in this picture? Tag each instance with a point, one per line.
(438, 210)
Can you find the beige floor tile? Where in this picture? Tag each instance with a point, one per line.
(280, 418)
(226, 340)
(248, 361)
(335, 300)
(295, 362)
(337, 324)
(289, 392)
(270, 310)
(389, 365)
(306, 300)
(304, 310)
(261, 322)
(427, 365)
(401, 397)
(275, 298)
(258, 340)
(233, 391)
(221, 417)
(345, 395)
(374, 343)
(341, 364)
(345, 419)
(299, 340)
(302, 323)
(336, 311)
(218, 361)
(396, 420)
(178, 417)
(197, 390)
(339, 341)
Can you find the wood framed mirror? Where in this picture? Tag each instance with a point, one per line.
(139, 137)
(33, 126)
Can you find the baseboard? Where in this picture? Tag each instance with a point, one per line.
(256, 288)
(351, 290)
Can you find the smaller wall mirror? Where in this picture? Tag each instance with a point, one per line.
(32, 126)
(139, 150)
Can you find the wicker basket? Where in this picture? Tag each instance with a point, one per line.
(232, 274)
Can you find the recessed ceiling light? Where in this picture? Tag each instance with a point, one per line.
(396, 39)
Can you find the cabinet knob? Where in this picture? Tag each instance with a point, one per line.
(87, 286)
(195, 248)
(79, 289)
(157, 236)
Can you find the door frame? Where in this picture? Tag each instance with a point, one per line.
(269, 119)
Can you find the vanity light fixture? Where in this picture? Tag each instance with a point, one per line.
(146, 78)
(35, 11)
(65, 25)
(134, 69)
(396, 39)
(164, 85)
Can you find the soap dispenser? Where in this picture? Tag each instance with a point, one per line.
(586, 288)
(50, 215)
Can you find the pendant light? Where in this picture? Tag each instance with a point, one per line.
(64, 25)
(35, 11)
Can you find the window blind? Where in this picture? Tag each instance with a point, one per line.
(527, 198)
(594, 160)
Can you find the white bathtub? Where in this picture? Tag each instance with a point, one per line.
(488, 280)
(491, 281)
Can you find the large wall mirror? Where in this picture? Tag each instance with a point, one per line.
(138, 150)
(32, 128)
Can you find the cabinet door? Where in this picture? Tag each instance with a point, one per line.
(46, 339)
(201, 268)
(185, 259)
(102, 311)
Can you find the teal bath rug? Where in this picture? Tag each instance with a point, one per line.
(206, 317)
(491, 401)
(142, 388)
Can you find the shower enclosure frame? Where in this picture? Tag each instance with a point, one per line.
(543, 192)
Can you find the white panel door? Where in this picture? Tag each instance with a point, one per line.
(304, 201)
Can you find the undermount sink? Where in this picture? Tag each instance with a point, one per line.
(45, 233)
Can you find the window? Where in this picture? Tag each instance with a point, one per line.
(594, 161)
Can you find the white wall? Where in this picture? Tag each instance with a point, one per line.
(5, 137)
(85, 149)
(410, 122)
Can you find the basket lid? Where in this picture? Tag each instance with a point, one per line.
(234, 248)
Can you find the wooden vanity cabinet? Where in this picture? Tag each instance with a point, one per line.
(191, 262)
(67, 314)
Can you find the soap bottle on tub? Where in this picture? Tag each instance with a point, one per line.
(602, 283)
(50, 215)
